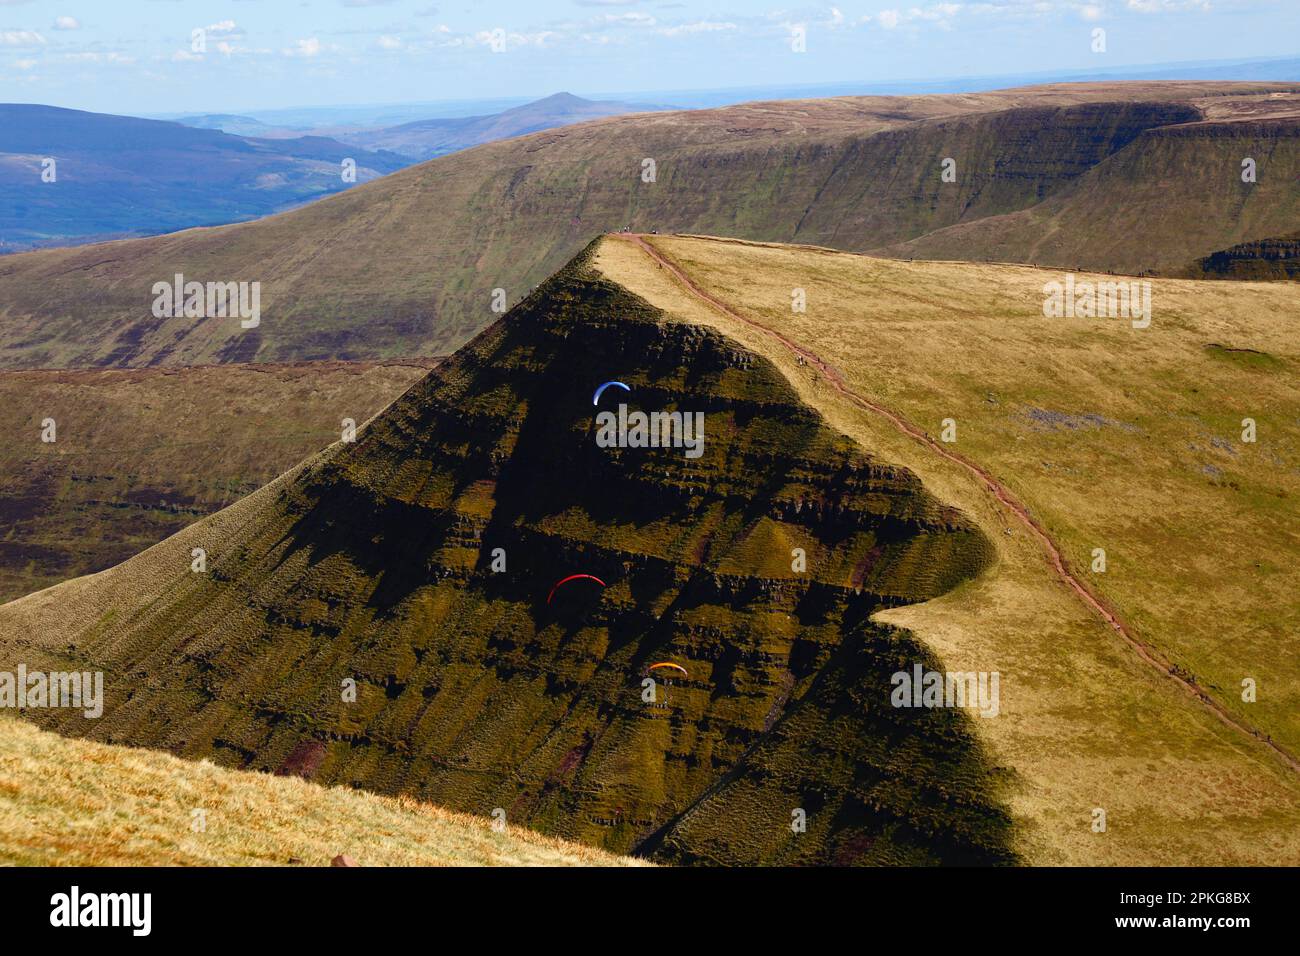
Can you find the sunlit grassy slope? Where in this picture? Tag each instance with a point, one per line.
(1118, 438)
(75, 803)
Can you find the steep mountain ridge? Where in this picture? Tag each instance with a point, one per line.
(1177, 193)
(483, 688)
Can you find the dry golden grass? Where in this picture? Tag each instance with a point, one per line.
(75, 803)
(1202, 570)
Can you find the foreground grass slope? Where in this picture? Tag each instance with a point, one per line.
(140, 454)
(70, 802)
(408, 264)
(420, 563)
(1115, 437)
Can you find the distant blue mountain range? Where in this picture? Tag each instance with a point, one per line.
(116, 176)
(120, 176)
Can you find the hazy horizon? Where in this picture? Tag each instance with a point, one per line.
(308, 115)
(189, 56)
(721, 95)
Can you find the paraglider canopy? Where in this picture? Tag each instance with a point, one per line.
(572, 577)
(670, 665)
(595, 399)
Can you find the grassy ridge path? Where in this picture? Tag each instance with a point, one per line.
(837, 381)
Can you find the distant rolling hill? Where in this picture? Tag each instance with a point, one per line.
(238, 125)
(426, 139)
(122, 176)
(408, 264)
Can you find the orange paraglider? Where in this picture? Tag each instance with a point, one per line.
(670, 664)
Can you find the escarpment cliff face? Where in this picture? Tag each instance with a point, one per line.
(421, 564)
(408, 264)
(1266, 259)
(1176, 193)
(894, 186)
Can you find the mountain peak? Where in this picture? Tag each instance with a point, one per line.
(562, 99)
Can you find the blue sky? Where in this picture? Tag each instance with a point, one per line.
(137, 56)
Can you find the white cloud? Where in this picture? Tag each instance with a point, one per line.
(122, 59)
(628, 19)
(515, 40)
(937, 13)
(67, 23)
(21, 38)
(699, 26)
(1166, 6)
(387, 42)
(306, 48)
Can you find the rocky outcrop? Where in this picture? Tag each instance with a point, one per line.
(1266, 259)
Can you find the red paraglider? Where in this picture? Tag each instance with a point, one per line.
(572, 577)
